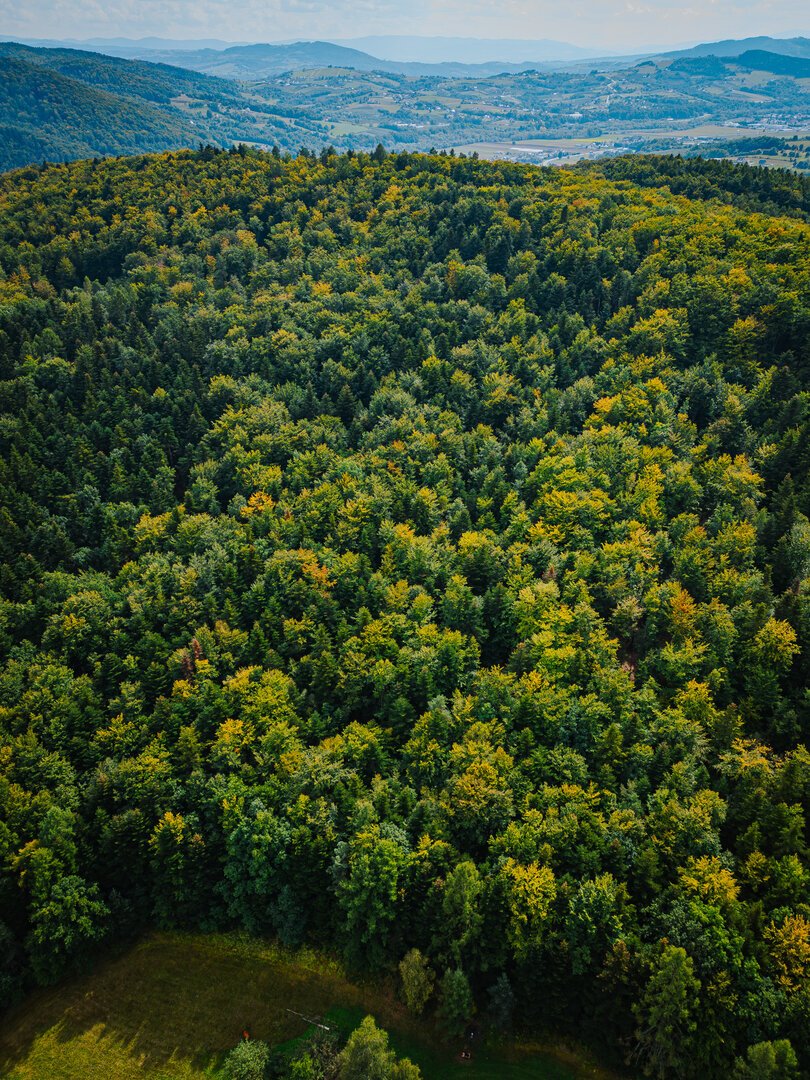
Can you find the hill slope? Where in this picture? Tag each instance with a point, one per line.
(797, 67)
(155, 83)
(64, 103)
(44, 114)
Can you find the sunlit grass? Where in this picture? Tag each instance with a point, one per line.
(173, 1005)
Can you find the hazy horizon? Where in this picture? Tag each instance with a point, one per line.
(596, 25)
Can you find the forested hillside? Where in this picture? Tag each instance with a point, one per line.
(409, 553)
(62, 104)
(135, 79)
(44, 115)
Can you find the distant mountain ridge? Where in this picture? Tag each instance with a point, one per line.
(394, 48)
(454, 57)
(126, 47)
(465, 50)
(261, 61)
(798, 46)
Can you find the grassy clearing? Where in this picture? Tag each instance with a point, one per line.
(172, 1006)
(345, 128)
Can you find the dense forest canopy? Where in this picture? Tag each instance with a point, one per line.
(766, 190)
(413, 554)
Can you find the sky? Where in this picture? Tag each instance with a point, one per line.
(608, 25)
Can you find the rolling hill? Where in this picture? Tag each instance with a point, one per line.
(60, 104)
(153, 82)
(44, 114)
(796, 67)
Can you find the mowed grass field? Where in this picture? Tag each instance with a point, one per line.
(173, 1005)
